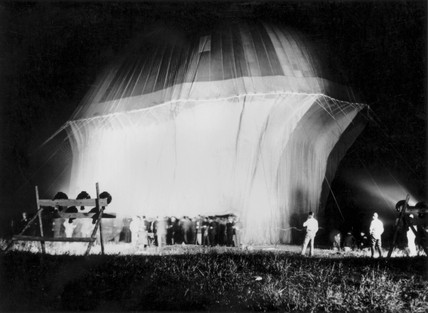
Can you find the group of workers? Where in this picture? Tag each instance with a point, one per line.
(373, 240)
(376, 230)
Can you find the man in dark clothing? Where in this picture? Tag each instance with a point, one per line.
(170, 231)
(229, 231)
(22, 223)
(349, 242)
(205, 232)
(186, 229)
(154, 230)
(212, 232)
(221, 234)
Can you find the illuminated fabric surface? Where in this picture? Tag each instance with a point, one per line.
(241, 120)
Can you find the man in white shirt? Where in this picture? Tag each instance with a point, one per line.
(411, 236)
(134, 227)
(311, 225)
(69, 228)
(376, 230)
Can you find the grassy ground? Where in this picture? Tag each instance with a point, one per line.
(218, 279)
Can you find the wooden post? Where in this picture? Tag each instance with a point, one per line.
(40, 210)
(97, 224)
(100, 217)
(93, 235)
(397, 223)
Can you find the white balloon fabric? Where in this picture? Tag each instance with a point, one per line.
(242, 120)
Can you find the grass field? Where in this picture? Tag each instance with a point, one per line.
(193, 279)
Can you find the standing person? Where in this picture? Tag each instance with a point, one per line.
(229, 231)
(411, 236)
(143, 235)
(161, 232)
(86, 227)
(69, 227)
(154, 230)
(204, 232)
(198, 231)
(212, 232)
(134, 227)
(186, 227)
(221, 234)
(23, 222)
(237, 231)
(193, 231)
(376, 230)
(311, 225)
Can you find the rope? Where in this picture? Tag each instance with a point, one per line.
(295, 228)
(334, 197)
(289, 228)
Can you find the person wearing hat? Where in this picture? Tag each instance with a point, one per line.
(376, 230)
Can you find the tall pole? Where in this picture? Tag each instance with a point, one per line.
(39, 213)
(100, 217)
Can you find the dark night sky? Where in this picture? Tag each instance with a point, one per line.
(51, 53)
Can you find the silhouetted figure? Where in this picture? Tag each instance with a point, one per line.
(212, 232)
(23, 222)
(229, 232)
(349, 242)
(186, 229)
(335, 238)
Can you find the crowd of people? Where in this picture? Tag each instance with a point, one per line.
(224, 230)
(200, 230)
(145, 231)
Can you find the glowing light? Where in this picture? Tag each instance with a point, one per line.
(386, 189)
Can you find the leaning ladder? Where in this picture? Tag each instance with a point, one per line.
(100, 205)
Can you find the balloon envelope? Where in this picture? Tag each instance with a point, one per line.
(246, 119)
